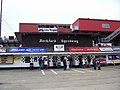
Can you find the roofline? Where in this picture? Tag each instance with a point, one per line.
(46, 23)
(56, 33)
(98, 19)
(64, 53)
(95, 20)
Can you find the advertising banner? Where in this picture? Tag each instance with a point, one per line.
(2, 50)
(113, 59)
(84, 49)
(116, 48)
(47, 30)
(6, 59)
(58, 47)
(106, 49)
(105, 44)
(14, 50)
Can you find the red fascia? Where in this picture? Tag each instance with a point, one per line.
(28, 27)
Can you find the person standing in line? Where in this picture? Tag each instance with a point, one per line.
(58, 63)
(54, 61)
(94, 63)
(89, 61)
(67, 63)
(64, 62)
(70, 60)
(83, 61)
(61, 58)
(45, 62)
(98, 65)
(40, 63)
(80, 61)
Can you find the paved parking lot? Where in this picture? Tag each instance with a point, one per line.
(57, 79)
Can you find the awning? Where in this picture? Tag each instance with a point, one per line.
(64, 53)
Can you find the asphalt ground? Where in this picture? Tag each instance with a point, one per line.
(108, 78)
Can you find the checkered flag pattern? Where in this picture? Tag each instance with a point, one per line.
(58, 58)
(23, 59)
(31, 59)
(50, 57)
(76, 58)
(27, 59)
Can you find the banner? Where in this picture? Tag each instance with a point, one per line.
(106, 49)
(47, 30)
(84, 49)
(113, 59)
(116, 48)
(14, 50)
(105, 44)
(58, 47)
(6, 59)
(2, 50)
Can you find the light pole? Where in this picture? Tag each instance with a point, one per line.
(1, 17)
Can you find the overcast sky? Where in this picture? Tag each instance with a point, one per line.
(55, 11)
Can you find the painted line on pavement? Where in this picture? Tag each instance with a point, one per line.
(54, 72)
(86, 70)
(78, 71)
(43, 72)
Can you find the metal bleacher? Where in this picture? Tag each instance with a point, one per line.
(9, 42)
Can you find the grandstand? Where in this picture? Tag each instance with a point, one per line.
(9, 42)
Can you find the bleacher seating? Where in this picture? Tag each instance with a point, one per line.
(9, 42)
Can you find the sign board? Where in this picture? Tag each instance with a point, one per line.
(58, 47)
(84, 49)
(116, 48)
(61, 41)
(6, 59)
(105, 44)
(27, 50)
(106, 49)
(50, 39)
(2, 50)
(47, 30)
(113, 59)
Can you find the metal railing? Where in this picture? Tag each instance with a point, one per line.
(111, 36)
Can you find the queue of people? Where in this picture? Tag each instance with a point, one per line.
(86, 62)
(67, 62)
(43, 62)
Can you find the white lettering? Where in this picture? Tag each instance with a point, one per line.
(47, 30)
(47, 40)
(54, 41)
(69, 41)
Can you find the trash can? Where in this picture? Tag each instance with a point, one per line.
(31, 66)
